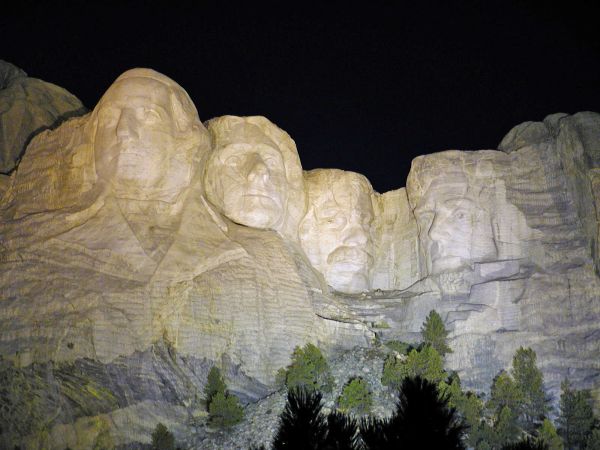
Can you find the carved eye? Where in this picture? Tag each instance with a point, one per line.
(151, 116)
(461, 214)
(271, 163)
(233, 160)
(336, 222)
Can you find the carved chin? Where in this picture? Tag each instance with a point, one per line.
(266, 215)
(348, 279)
(447, 264)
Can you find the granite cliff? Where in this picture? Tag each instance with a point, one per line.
(140, 246)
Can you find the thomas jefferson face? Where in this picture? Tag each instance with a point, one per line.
(140, 141)
(335, 234)
(455, 225)
(248, 175)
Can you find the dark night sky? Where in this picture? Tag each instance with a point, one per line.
(362, 88)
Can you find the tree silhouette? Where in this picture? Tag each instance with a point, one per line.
(342, 432)
(301, 424)
(422, 420)
(375, 434)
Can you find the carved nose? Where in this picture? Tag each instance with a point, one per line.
(127, 126)
(354, 235)
(257, 169)
(438, 231)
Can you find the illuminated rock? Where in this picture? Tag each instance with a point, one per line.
(138, 248)
(113, 261)
(29, 106)
(396, 263)
(462, 213)
(254, 176)
(336, 232)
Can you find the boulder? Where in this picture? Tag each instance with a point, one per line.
(27, 107)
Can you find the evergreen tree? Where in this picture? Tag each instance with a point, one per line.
(214, 384)
(526, 444)
(301, 424)
(225, 410)
(506, 428)
(309, 370)
(356, 397)
(468, 405)
(547, 435)
(434, 333)
(426, 363)
(375, 434)
(593, 440)
(504, 393)
(342, 432)
(422, 420)
(162, 438)
(529, 380)
(576, 418)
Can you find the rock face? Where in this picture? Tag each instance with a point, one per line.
(28, 106)
(335, 233)
(139, 247)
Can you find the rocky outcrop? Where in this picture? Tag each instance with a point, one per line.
(28, 106)
(127, 270)
(118, 295)
(508, 253)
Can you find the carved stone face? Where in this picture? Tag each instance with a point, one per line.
(142, 125)
(252, 173)
(335, 233)
(453, 215)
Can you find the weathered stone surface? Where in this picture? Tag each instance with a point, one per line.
(130, 262)
(28, 106)
(254, 176)
(100, 264)
(335, 233)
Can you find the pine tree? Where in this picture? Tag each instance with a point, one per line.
(422, 420)
(214, 384)
(162, 438)
(506, 428)
(468, 405)
(529, 381)
(526, 444)
(309, 370)
(434, 333)
(547, 435)
(225, 410)
(342, 432)
(593, 440)
(301, 424)
(356, 397)
(504, 393)
(576, 418)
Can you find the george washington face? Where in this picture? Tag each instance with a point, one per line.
(143, 134)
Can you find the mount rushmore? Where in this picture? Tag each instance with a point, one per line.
(140, 246)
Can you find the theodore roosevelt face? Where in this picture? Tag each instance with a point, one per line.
(335, 233)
